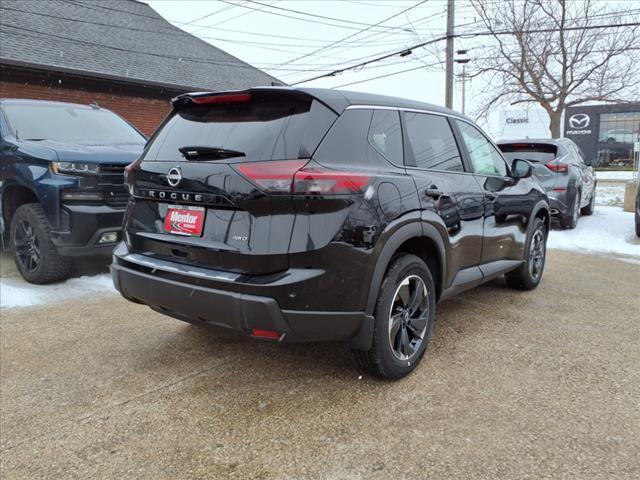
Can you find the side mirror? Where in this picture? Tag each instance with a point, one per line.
(521, 169)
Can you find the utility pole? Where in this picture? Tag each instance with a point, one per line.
(448, 93)
(463, 77)
(464, 83)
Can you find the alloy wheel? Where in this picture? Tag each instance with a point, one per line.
(27, 246)
(536, 254)
(408, 317)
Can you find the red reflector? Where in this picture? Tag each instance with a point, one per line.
(272, 177)
(319, 181)
(559, 189)
(265, 334)
(230, 98)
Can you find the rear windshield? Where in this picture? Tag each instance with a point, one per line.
(70, 124)
(534, 152)
(268, 127)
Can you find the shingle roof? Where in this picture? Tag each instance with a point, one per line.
(119, 39)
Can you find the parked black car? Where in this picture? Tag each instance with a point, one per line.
(563, 171)
(62, 191)
(310, 214)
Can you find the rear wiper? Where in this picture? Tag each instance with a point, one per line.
(209, 153)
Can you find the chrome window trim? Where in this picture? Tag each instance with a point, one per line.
(442, 114)
(403, 109)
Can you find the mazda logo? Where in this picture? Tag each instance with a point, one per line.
(579, 120)
(174, 176)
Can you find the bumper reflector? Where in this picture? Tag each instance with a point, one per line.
(265, 334)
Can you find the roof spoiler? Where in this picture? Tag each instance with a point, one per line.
(241, 96)
(228, 96)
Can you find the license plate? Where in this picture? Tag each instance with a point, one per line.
(184, 220)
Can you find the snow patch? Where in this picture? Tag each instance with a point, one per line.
(609, 230)
(610, 194)
(615, 175)
(15, 292)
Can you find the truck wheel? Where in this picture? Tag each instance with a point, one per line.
(528, 276)
(36, 256)
(403, 319)
(570, 220)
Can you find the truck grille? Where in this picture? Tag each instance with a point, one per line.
(111, 175)
(111, 180)
(116, 197)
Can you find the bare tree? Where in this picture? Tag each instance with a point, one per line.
(550, 52)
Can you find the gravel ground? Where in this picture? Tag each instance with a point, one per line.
(542, 384)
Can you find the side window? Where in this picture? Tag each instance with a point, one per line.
(486, 160)
(432, 142)
(385, 135)
(355, 140)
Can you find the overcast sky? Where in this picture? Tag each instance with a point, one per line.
(261, 44)
(295, 49)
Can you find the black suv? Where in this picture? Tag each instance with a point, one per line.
(311, 214)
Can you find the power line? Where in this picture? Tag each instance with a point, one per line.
(463, 35)
(220, 10)
(353, 34)
(388, 75)
(171, 30)
(232, 18)
(312, 15)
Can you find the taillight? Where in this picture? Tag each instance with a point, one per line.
(316, 180)
(224, 98)
(558, 166)
(272, 177)
(299, 178)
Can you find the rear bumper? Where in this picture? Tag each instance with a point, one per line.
(179, 292)
(559, 203)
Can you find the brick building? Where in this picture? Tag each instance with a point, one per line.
(120, 54)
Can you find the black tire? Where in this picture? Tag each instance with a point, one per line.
(528, 276)
(588, 210)
(36, 257)
(637, 226)
(570, 220)
(384, 359)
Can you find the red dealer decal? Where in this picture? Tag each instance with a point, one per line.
(184, 220)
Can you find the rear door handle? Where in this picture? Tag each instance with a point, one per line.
(434, 193)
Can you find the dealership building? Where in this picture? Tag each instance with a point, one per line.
(606, 133)
(119, 54)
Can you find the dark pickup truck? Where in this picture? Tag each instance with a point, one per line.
(62, 192)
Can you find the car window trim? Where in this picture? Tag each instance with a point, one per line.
(414, 164)
(405, 139)
(506, 164)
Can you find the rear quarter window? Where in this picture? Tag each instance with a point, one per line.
(362, 137)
